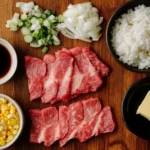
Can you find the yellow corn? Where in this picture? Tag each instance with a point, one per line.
(12, 109)
(9, 121)
(9, 133)
(2, 142)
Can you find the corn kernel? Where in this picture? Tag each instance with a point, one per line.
(9, 133)
(9, 121)
(12, 122)
(12, 109)
(3, 100)
(14, 132)
(9, 104)
(4, 107)
(16, 126)
(2, 142)
(4, 136)
(10, 137)
(10, 127)
(9, 116)
(1, 138)
(8, 140)
(3, 121)
(4, 133)
(1, 128)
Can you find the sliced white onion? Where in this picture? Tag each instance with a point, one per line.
(25, 7)
(81, 21)
(66, 33)
(20, 4)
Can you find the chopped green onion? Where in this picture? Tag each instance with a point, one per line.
(25, 31)
(23, 17)
(28, 38)
(35, 45)
(38, 27)
(45, 49)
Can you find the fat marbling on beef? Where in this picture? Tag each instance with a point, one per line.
(105, 122)
(37, 125)
(51, 131)
(65, 75)
(57, 84)
(101, 68)
(36, 71)
(75, 112)
(45, 126)
(80, 120)
(63, 121)
(85, 77)
(92, 109)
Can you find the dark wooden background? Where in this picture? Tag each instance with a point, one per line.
(111, 93)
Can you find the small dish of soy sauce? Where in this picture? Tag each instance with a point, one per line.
(8, 61)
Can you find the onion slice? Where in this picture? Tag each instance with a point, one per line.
(81, 21)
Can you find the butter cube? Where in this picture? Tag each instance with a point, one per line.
(144, 108)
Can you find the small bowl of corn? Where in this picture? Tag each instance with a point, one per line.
(11, 121)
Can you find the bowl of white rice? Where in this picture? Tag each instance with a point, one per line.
(128, 36)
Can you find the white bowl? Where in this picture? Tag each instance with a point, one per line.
(21, 116)
(14, 61)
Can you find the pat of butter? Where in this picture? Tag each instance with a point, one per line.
(144, 108)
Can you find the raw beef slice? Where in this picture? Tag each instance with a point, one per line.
(50, 86)
(37, 125)
(101, 68)
(36, 71)
(105, 122)
(65, 73)
(85, 77)
(80, 120)
(76, 116)
(92, 108)
(51, 131)
(57, 85)
(63, 121)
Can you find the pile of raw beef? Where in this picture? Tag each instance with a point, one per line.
(65, 75)
(80, 120)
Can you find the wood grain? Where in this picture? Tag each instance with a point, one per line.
(111, 93)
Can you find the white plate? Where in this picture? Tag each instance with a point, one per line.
(14, 61)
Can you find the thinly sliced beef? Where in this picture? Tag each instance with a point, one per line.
(57, 84)
(85, 77)
(64, 74)
(105, 122)
(63, 121)
(36, 72)
(101, 68)
(92, 108)
(50, 85)
(76, 116)
(80, 120)
(37, 125)
(51, 131)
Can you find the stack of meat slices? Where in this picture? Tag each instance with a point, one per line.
(80, 120)
(65, 75)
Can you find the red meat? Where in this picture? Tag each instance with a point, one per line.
(36, 72)
(92, 109)
(75, 112)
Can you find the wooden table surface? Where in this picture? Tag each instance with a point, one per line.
(111, 93)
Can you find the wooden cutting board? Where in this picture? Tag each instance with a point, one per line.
(111, 93)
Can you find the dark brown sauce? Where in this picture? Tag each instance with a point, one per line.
(5, 61)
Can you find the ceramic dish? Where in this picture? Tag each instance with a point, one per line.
(21, 116)
(137, 124)
(123, 9)
(14, 61)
